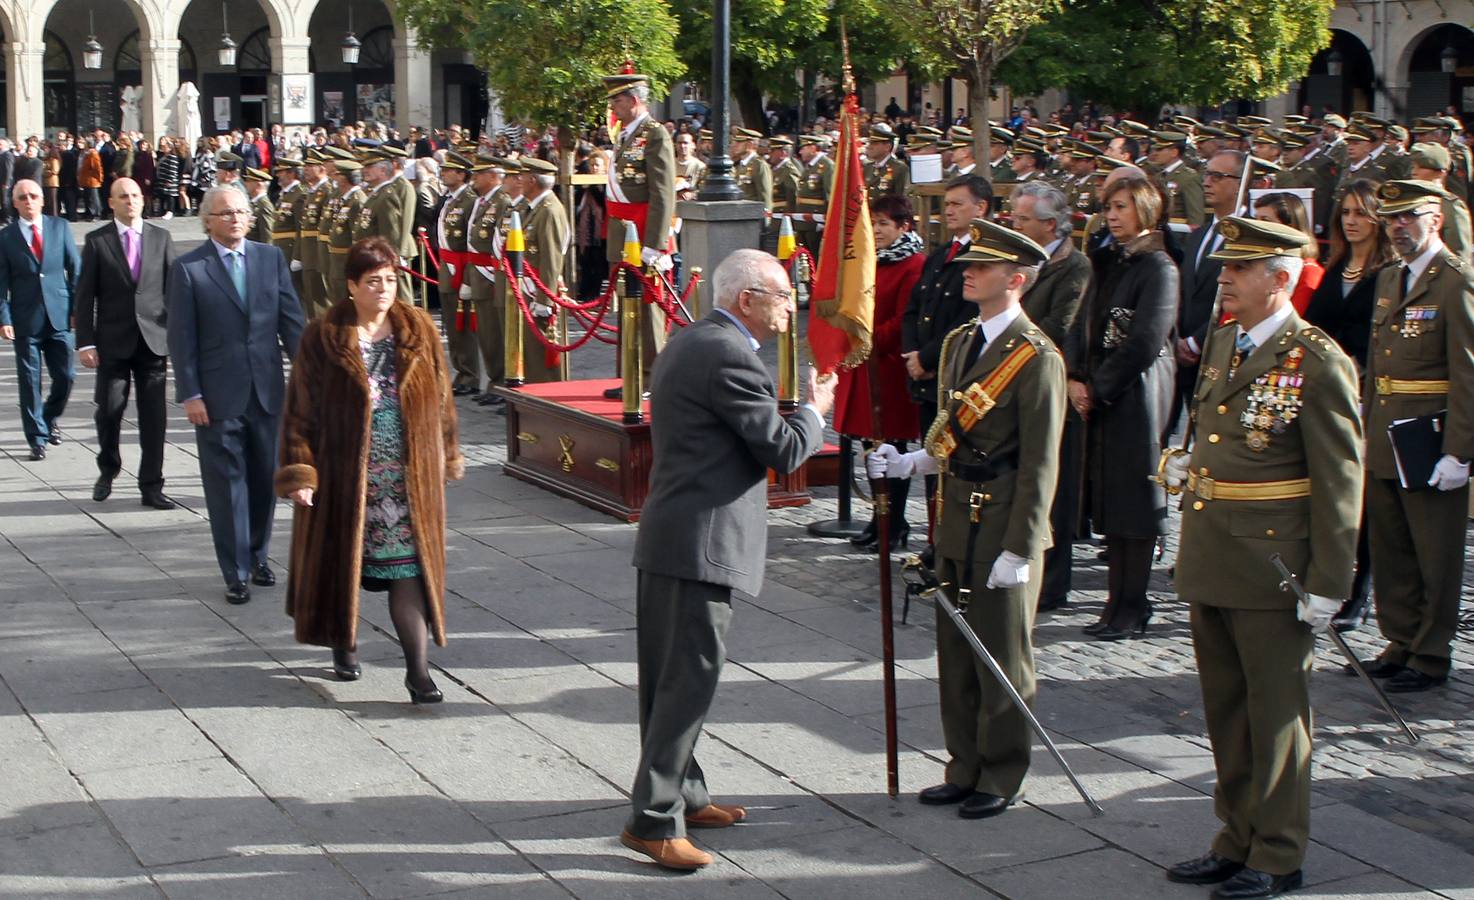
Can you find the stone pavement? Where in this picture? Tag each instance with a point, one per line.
(157, 742)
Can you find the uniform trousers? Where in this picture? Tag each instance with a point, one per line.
(314, 290)
(464, 357)
(147, 372)
(987, 737)
(54, 347)
(1254, 669)
(490, 313)
(237, 467)
(1417, 544)
(681, 625)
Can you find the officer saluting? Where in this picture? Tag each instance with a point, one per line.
(1276, 413)
(995, 443)
(1421, 362)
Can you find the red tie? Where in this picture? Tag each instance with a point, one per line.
(36, 242)
(952, 251)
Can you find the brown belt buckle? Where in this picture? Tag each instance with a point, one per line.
(1204, 487)
(975, 506)
(1384, 384)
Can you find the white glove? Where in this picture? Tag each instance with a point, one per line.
(1009, 570)
(404, 262)
(648, 255)
(296, 265)
(664, 263)
(1175, 471)
(1449, 474)
(465, 292)
(541, 311)
(1317, 611)
(528, 291)
(886, 461)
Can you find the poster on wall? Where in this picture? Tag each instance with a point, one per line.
(376, 102)
(222, 113)
(332, 107)
(297, 99)
(97, 107)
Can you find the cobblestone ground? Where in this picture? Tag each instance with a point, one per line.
(158, 742)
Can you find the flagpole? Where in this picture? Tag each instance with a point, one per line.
(880, 487)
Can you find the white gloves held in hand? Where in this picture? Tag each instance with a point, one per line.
(1317, 611)
(295, 265)
(652, 257)
(541, 310)
(1009, 570)
(886, 461)
(1174, 471)
(1449, 474)
(465, 292)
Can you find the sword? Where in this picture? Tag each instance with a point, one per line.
(1288, 580)
(674, 294)
(977, 647)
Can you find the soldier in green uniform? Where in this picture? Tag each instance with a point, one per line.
(1420, 362)
(1431, 163)
(393, 201)
(963, 160)
(1000, 151)
(263, 211)
(512, 202)
(1440, 130)
(642, 190)
(489, 199)
(1309, 167)
(995, 444)
(451, 221)
(813, 191)
(1181, 183)
(882, 171)
(335, 228)
(1333, 139)
(786, 174)
(1359, 162)
(751, 172)
(545, 236)
(288, 207)
(1277, 412)
(1080, 188)
(1267, 144)
(318, 188)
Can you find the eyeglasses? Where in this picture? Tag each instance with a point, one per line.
(1219, 176)
(231, 214)
(1404, 218)
(758, 290)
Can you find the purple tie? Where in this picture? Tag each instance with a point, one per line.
(130, 249)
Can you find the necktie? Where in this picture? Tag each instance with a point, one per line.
(36, 240)
(1406, 281)
(952, 251)
(237, 271)
(130, 249)
(980, 340)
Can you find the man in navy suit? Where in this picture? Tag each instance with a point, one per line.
(38, 265)
(232, 310)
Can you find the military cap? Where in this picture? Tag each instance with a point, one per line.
(1112, 131)
(1294, 140)
(929, 131)
(353, 165)
(1269, 136)
(1359, 132)
(508, 164)
(1034, 132)
(312, 156)
(617, 84)
(1397, 132)
(1333, 120)
(1246, 238)
(229, 162)
(332, 152)
(745, 134)
(1233, 132)
(960, 133)
(704, 134)
(881, 132)
(817, 140)
(1129, 126)
(1428, 155)
(1001, 134)
(1253, 122)
(454, 160)
(390, 151)
(1212, 131)
(1434, 123)
(1097, 137)
(916, 143)
(1182, 121)
(1054, 129)
(992, 243)
(534, 166)
(1104, 165)
(1403, 196)
(1372, 120)
(948, 145)
(1081, 150)
(1029, 145)
(287, 164)
(780, 140)
(489, 164)
(1161, 139)
(1294, 119)
(256, 175)
(1264, 165)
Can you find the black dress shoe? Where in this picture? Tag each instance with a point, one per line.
(345, 666)
(429, 695)
(982, 806)
(1054, 603)
(262, 575)
(1411, 681)
(1252, 883)
(1377, 668)
(237, 593)
(1120, 633)
(156, 499)
(103, 489)
(1210, 868)
(944, 793)
(53, 434)
(462, 390)
(38, 453)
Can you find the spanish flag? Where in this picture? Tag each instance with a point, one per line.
(842, 306)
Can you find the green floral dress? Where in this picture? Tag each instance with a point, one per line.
(388, 536)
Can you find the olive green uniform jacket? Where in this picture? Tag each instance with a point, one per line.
(263, 219)
(755, 179)
(890, 176)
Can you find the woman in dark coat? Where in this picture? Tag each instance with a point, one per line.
(368, 442)
(899, 261)
(144, 172)
(1342, 307)
(1121, 372)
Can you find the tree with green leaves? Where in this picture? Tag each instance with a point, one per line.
(1143, 54)
(975, 36)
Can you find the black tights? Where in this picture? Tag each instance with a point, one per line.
(410, 612)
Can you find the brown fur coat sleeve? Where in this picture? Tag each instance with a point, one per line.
(297, 468)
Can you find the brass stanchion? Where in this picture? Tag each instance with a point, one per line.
(512, 331)
(630, 303)
(788, 340)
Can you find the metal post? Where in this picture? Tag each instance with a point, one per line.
(842, 527)
(719, 183)
(631, 301)
(516, 370)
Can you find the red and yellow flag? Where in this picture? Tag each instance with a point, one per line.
(842, 306)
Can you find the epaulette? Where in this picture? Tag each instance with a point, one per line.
(1317, 341)
(1455, 261)
(1036, 336)
(961, 329)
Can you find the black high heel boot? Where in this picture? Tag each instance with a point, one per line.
(429, 695)
(865, 538)
(1130, 629)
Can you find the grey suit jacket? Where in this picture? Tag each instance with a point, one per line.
(716, 431)
(113, 310)
(224, 346)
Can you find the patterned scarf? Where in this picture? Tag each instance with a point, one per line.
(907, 244)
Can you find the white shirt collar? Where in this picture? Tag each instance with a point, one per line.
(1053, 246)
(629, 129)
(1310, 155)
(138, 232)
(224, 251)
(319, 182)
(1377, 151)
(999, 323)
(1176, 164)
(1265, 331)
(537, 201)
(967, 169)
(747, 159)
(34, 226)
(381, 185)
(290, 186)
(1420, 265)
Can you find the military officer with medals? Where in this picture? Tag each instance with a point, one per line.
(451, 224)
(751, 172)
(786, 174)
(390, 209)
(995, 444)
(1309, 167)
(545, 237)
(1181, 182)
(263, 211)
(335, 228)
(1276, 414)
(1080, 188)
(318, 189)
(488, 200)
(289, 201)
(813, 191)
(883, 172)
(1420, 363)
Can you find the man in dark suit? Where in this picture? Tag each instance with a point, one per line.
(121, 333)
(7, 179)
(38, 264)
(231, 311)
(67, 177)
(703, 532)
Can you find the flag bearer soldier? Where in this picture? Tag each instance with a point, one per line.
(545, 236)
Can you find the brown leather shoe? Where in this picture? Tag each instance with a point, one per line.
(716, 815)
(674, 853)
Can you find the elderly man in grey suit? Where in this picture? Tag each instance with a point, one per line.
(232, 310)
(716, 431)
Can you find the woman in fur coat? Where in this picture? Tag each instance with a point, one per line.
(368, 442)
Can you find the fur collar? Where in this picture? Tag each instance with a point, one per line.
(1143, 244)
(340, 336)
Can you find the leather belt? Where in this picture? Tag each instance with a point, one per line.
(309, 234)
(339, 249)
(980, 472)
(812, 201)
(278, 235)
(1386, 385)
(1211, 489)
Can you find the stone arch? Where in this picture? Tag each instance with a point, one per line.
(1417, 44)
(147, 13)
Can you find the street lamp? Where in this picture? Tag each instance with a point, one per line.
(92, 50)
(227, 46)
(351, 45)
(1335, 63)
(1448, 60)
(719, 183)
